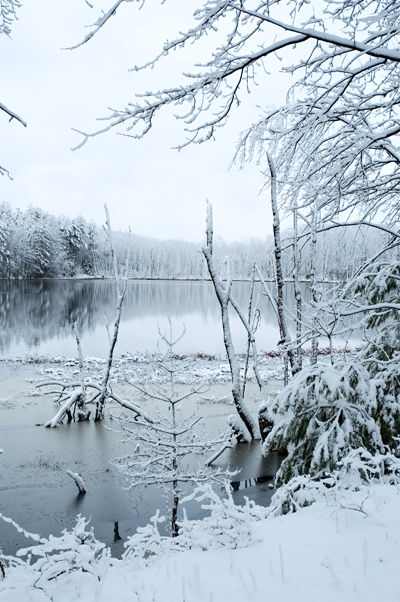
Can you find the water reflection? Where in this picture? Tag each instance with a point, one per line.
(37, 316)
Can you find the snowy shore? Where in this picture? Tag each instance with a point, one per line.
(344, 547)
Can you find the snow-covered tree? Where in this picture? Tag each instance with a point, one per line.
(166, 444)
(328, 414)
(224, 295)
(8, 14)
(378, 288)
(349, 41)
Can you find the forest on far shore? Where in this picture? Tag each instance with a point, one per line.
(35, 244)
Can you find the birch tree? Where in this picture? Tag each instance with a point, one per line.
(283, 329)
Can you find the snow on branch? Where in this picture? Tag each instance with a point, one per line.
(239, 53)
(12, 115)
(8, 15)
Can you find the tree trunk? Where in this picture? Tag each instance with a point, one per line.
(313, 277)
(223, 295)
(297, 292)
(284, 333)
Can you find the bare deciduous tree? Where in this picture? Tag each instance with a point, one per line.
(225, 298)
(166, 445)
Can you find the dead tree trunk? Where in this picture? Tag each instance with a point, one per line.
(223, 296)
(313, 277)
(283, 330)
(120, 299)
(297, 292)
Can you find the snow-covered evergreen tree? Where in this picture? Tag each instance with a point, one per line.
(326, 413)
(378, 289)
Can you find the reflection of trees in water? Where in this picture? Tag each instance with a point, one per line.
(35, 311)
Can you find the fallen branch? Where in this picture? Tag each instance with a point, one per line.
(65, 409)
(78, 480)
(227, 445)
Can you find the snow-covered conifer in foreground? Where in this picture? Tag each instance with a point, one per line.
(327, 413)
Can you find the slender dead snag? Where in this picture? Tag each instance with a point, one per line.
(297, 292)
(83, 412)
(267, 292)
(223, 296)
(283, 330)
(120, 299)
(313, 257)
(250, 314)
(250, 333)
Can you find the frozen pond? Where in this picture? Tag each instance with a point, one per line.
(37, 316)
(36, 492)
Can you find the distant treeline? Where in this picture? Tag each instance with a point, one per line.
(35, 244)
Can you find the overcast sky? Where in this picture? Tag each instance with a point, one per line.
(158, 191)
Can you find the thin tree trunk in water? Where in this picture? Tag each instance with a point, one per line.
(314, 342)
(174, 520)
(120, 299)
(83, 412)
(251, 343)
(223, 296)
(284, 333)
(246, 366)
(297, 292)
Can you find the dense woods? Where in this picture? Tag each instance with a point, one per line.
(35, 244)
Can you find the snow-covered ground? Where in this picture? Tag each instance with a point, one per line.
(345, 547)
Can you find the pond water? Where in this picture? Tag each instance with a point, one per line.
(37, 316)
(36, 492)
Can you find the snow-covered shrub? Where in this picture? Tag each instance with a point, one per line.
(74, 551)
(358, 469)
(329, 414)
(298, 493)
(362, 467)
(229, 525)
(147, 541)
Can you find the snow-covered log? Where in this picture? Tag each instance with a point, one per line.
(237, 429)
(265, 420)
(78, 480)
(65, 409)
(227, 445)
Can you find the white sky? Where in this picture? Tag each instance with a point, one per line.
(147, 185)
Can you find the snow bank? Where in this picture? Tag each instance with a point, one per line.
(344, 547)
